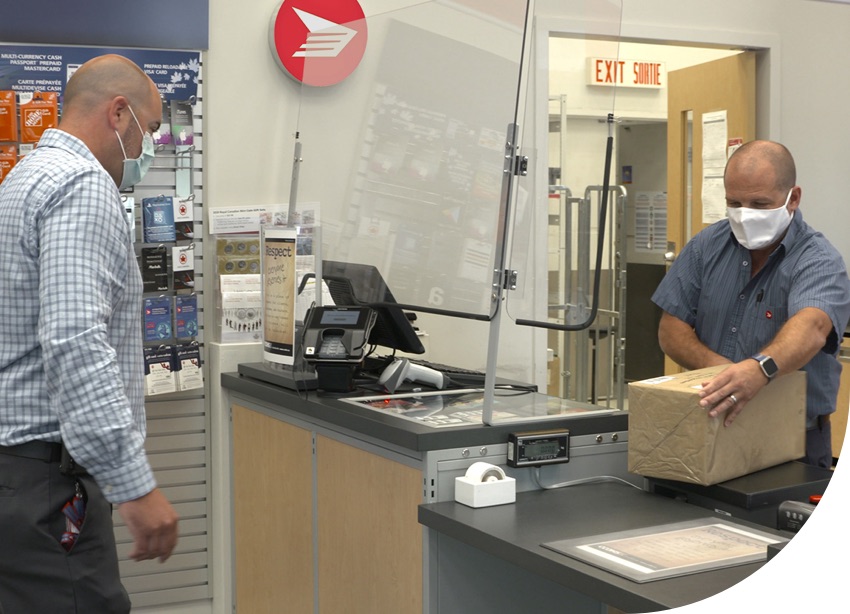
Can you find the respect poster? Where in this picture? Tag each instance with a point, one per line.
(279, 291)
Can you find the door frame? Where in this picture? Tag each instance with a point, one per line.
(765, 44)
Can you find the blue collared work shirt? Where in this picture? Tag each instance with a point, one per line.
(710, 287)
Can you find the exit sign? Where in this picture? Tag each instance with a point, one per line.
(626, 73)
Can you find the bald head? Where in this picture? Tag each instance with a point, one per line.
(758, 158)
(109, 103)
(103, 78)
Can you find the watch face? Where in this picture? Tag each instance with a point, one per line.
(769, 367)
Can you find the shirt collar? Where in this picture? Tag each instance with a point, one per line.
(54, 137)
(794, 230)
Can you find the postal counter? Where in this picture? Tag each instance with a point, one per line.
(349, 503)
(326, 492)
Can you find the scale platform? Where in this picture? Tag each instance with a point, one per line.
(754, 497)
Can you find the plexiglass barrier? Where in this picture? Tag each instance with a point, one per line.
(406, 157)
(443, 159)
(562, 220)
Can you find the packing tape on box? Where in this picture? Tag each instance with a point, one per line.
(484, 472)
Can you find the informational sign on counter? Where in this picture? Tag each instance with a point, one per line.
(279, 292)
(671, 550)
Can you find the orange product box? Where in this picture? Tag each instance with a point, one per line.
(39, 111)
(8, 158)
(8, 116)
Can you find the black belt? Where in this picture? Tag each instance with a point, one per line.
(47, 451)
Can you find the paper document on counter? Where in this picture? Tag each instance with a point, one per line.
(670, 550)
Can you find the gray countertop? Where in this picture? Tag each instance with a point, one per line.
(257, 381)
(515, 532)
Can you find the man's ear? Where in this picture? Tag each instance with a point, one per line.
(117, 110)
(796, 196)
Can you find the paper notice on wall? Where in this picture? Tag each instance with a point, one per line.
(651, 221)
(714, 139)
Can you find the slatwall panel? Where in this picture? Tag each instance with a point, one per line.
(178, 423)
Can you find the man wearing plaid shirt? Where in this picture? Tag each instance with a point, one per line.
(71, 372)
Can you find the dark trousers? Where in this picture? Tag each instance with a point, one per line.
(819, 445)
(37, 574)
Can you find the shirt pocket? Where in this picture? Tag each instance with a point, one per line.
(761, 325)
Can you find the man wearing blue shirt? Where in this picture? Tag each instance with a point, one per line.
(762, 290)
(71, 371)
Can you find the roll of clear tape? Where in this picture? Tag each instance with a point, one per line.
(484, 472)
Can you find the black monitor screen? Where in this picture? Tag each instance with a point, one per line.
(362, 284)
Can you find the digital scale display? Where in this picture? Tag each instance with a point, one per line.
(542, 449)
(538, 448)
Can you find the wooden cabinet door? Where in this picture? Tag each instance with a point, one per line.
(370, 539)
(272, 514)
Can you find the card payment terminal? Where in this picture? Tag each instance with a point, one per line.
(335, 340)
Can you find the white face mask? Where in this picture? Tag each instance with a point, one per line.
(758, 228)
(135, 168)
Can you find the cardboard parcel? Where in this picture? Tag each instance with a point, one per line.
(672, 437)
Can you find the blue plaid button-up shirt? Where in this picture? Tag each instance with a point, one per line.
(71, 361)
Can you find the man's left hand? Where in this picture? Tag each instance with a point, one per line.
(730, 391)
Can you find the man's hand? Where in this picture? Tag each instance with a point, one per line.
(153, 524)
(729, 391)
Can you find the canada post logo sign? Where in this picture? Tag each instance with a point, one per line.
(318, 42)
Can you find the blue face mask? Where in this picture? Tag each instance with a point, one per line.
(135, 168)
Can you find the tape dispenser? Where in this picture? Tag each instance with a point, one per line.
(485, 485)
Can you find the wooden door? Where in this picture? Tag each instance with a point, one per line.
(693, 95)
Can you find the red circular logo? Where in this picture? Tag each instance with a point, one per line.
(318, 42)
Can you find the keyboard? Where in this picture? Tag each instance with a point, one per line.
(447, 369)
(376, 364)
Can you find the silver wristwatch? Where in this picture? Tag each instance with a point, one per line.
(768, 366)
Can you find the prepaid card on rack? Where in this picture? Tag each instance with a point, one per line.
(279, 292)
(186, 316)
(189, 373)
(158, 220)
(157, 318)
